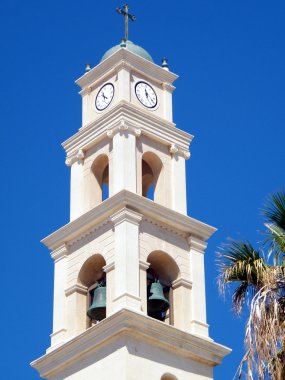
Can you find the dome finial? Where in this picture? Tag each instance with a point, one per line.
(127, 16)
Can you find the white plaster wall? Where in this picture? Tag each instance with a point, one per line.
(133, 359)
(100, 241)
(155, 238)
(153, 362)
(163, 102)
(124, 81)
(84, 187)
(89, 111)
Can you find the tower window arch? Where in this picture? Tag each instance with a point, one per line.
(163, 270)
(93, 277)
(100, 170)
(151, 176)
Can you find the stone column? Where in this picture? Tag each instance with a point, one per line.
(143, 285)
(182, 304)
(76, 301)
(109, 269)
(127, 275)
(59, 301)
(124, 161)
(167, 100)
(178, 181)
(76, 187)
(198, 295)
(123, 82)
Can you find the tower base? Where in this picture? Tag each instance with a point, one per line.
(131, 346)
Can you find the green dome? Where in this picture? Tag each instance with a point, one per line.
(129, 45)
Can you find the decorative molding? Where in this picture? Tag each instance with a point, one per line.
(88, 233)
(69, 161)
(126, 215)
(144, 265)
(80, 155)
(135, 118)
(182, 282)
(137, 132)
(99, 215)
(123, 126)
(200, 323)
(123, 58)
(110, 133)
(77, 288)
(173, 149)
(109, 267)
(123, 65)
(168, 87)
(165, 227)
(133, 326)
(59, 253)
(197, 244)
(186, 154)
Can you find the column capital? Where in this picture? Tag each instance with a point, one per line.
(182, 282)
(124, 126)
(197, 244)
(144, 265)
(109, 267)
(77, 288)
(176, 151)
(126, 215)
(60, 253)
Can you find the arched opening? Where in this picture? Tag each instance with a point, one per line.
(168, 376)
(151, 170)
(93, 277)
(100, 169)
(162, 271)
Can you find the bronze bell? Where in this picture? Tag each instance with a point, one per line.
(97, 310)
(157, 303)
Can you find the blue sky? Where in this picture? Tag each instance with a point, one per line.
(230, 94)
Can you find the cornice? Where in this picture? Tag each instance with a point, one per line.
(126, 323)
(125, 199)
(127, 116)
(134, 63)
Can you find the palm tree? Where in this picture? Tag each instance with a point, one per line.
(260, 283)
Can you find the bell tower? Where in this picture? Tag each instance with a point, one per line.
(129, 286)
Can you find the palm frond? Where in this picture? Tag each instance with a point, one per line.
(274, 209)
(239, 262)
(275, 241)
(265, 332)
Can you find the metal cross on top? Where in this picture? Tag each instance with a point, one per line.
(127, 15)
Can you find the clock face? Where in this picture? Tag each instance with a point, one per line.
(146, 94)
(104, 96)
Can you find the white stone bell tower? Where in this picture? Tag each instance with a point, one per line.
(128, 228)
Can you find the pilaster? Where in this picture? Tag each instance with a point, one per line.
(58, 335)
(178, 181)
(181, 303)
(127, 276)
(198, 294)
(124, 160)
